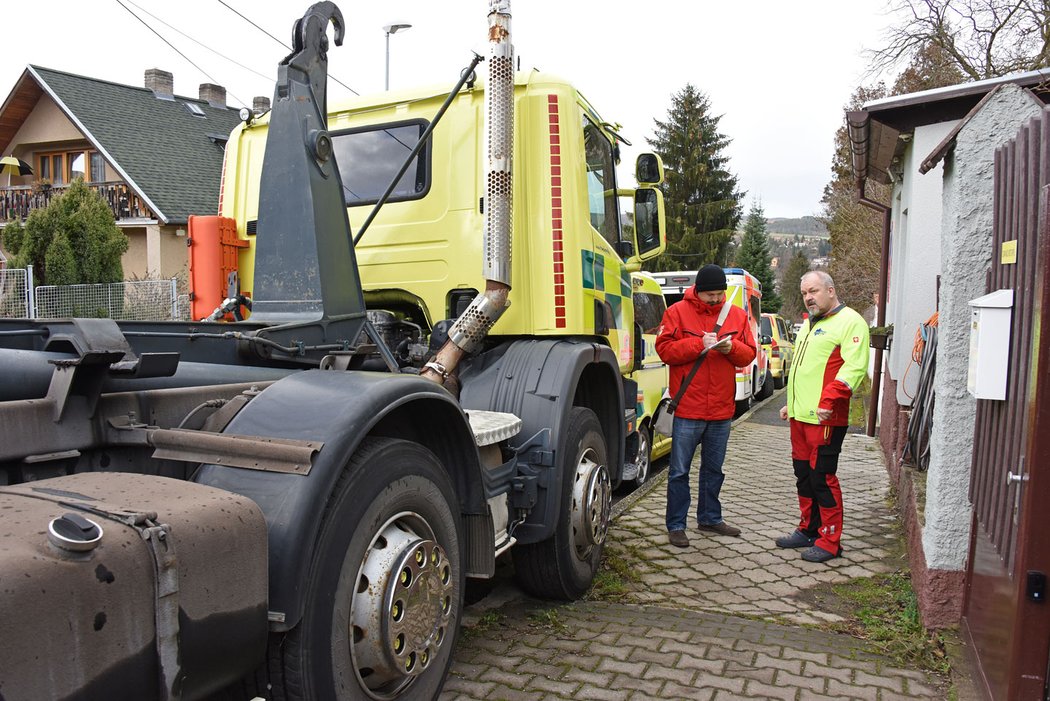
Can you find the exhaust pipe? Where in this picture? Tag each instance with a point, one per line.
(469, 331)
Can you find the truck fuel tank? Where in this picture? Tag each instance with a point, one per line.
(127, 586)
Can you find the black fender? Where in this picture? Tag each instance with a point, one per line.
(539, 381)
(338, 409)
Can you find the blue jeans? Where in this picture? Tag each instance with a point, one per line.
(712, 437)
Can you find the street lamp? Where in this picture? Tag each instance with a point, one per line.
(392, 29)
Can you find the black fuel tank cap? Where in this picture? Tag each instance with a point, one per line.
(73, 532)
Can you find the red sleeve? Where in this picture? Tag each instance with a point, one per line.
(834, 392)
(673, 344)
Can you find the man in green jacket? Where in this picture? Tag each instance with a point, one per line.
(831, 359)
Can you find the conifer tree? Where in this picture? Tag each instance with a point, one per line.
(702, 201)
(73, 240)
(792, 306)
(753, 256)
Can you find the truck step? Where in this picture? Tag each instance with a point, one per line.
(492, 426)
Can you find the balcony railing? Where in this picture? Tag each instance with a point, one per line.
(18, 201)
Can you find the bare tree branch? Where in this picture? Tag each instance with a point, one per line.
(984, 38)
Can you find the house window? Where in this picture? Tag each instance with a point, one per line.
(77, 166)
(66, 166)
(98, 167)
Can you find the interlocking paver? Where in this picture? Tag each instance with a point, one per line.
(720, 619)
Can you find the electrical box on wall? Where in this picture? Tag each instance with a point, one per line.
(990, 318)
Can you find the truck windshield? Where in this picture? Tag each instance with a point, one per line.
(370, 157)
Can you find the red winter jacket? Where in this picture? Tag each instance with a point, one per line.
(711, 396)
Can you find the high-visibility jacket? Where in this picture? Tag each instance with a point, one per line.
(831, 359)
(711, 396)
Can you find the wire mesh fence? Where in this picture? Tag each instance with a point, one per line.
(14, 293)
(150, 300)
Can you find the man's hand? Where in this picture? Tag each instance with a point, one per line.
(823, 414)
(724, 346)
(710, 339)
(783, 413)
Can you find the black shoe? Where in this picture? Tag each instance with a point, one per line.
(721, 528)
(816, 554)
(798, 539)
(678, 539)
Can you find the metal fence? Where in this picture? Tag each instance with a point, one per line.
(15, 293)
(145, 300)
(153, 300)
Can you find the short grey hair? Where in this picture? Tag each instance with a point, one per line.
(824, 278)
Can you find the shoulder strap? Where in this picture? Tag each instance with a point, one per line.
(703, 354)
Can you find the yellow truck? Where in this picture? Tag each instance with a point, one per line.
(288, 506)
(429, 200)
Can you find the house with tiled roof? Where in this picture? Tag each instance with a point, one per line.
(154, 156)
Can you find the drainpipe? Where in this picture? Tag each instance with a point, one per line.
(858, 123)
(469, 331)
(884, 262)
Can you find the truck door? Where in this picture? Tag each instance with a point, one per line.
(606, 281)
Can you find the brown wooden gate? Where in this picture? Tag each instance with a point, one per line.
(1005, 620)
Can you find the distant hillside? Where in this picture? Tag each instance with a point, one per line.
(803, 226)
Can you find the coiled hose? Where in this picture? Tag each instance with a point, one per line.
(924, 352)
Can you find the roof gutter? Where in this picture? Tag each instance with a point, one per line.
(858, 126)
(94, 142)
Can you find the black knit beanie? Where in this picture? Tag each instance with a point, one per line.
(709, 278)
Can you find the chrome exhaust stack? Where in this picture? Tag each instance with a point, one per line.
(469, 331)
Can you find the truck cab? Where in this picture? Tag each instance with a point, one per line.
(421, 258)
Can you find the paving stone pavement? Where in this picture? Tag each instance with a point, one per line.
(717, 620)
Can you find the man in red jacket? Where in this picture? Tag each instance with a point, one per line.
(706, 409)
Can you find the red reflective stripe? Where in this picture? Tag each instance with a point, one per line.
(556, 211)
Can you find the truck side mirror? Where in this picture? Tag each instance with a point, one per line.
(765, 339)
(649, 169)
(650, 238)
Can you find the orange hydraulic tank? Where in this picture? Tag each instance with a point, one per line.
(213, 245)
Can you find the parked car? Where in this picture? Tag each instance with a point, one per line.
(777, 337)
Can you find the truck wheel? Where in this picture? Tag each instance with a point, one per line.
(643, 458)
(778, 382)
(563, 566)
(385, 590)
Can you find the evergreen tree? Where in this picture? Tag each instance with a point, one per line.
(702, 200)
(754, 257)
(74, 240)
(792, 307)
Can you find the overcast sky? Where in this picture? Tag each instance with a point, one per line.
(779, 72)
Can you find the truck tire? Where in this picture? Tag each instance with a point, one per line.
(385, 589)
(563, 566)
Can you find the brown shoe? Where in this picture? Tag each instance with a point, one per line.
(721, 528)
(678, 539)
